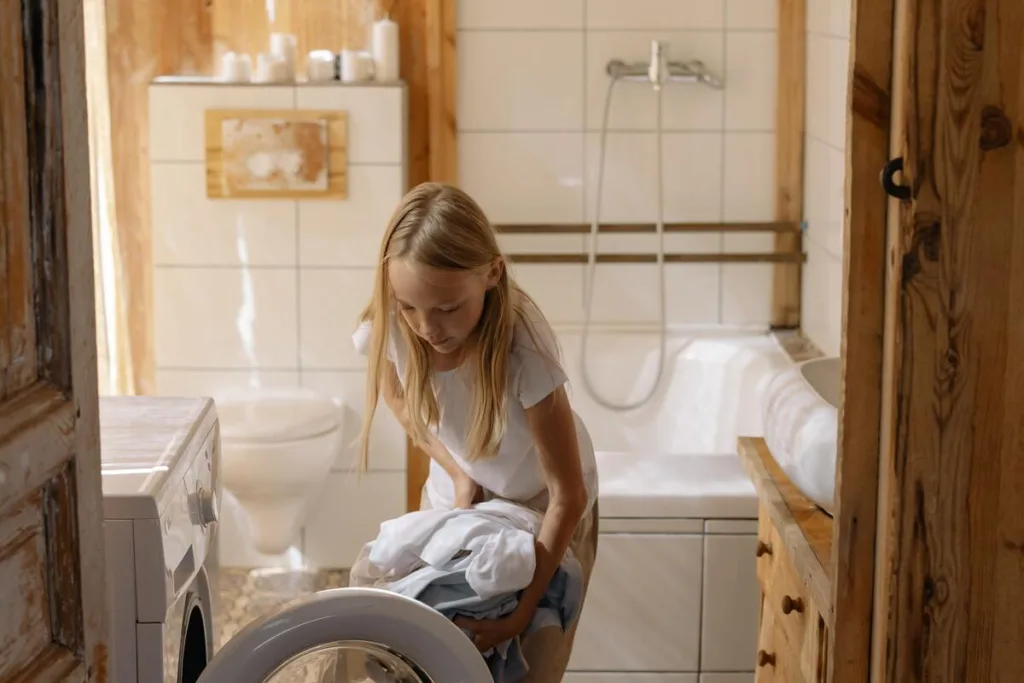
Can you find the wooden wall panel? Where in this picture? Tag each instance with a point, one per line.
(145, 39)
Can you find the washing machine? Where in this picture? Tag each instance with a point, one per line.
(160, 467)
(161, 486)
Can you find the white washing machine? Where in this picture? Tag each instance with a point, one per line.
(161, 491)
(160, 462)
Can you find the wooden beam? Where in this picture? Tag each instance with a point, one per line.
(440, 26)
(864, 311)
(585, 229)
(563, 258)
(789, 156)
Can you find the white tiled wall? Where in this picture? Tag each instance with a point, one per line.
(267, 292)
(828, 55)
(531, 89)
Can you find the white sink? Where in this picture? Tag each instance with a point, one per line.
(801, 426)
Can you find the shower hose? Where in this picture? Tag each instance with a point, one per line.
(588, 295)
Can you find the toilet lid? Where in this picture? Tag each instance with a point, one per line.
(406, 641)
(275, 415)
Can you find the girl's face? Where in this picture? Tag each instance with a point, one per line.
(442, 307)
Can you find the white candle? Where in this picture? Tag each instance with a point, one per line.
(320, 66)
(235, 68)
(385, 50)
(271, 68)
(284, 46)
(356, 66)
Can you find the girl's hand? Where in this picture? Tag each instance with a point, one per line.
(488, 633)
(467, 492)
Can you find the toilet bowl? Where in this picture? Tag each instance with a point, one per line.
(277, 447)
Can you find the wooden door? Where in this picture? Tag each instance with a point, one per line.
(52, 597)
(952, 457)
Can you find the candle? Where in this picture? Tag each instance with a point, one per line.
(320, 66)
(385, 50)
(284, 45)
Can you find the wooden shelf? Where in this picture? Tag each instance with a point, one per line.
(804, 527)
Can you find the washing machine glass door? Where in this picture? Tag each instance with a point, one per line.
(350, 635)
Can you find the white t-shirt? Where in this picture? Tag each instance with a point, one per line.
(515, 472)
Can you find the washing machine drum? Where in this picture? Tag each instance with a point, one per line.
(350, 635)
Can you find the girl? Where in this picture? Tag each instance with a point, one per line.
(468, 364)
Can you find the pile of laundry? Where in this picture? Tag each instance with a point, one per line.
(475, 563)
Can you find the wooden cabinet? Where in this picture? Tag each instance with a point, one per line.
(791, 556)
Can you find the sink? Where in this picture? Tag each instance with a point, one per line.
(801, 426)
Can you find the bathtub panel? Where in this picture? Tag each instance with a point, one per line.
(643, 607)
(730, 605)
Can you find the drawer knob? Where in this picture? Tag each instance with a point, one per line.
(790, 605)
(765, 659)
(763, 548)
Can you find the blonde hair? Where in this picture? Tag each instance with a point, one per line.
(442, 227)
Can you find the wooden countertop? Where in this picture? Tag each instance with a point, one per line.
(804, 527)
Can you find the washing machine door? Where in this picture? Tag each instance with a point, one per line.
(350, 635)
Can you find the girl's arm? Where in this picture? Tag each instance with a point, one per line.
(395, 398)
(554, 433)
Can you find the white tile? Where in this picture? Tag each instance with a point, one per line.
(684, 106)
(647, 243)
(520, 80)
(752, 14)
(751, 76)
(731, 603)
(348, 513)
(838, 80)
(557, 289)
(225, 317)
(728, 678)
(189, 229)
(825, 195)
(376, 119)
(749, 187)
(214, 383)
(818, 107)
(177, 114)
(521, 14)
(524, 177)
(629, 293)
(512, 244)
(655, 14)
(691, 182)
(348, 232)
(236, 546)
(840, 12)
(387, 437)
(747, 287)
(330, 302)
(819, 16)
(821, 315)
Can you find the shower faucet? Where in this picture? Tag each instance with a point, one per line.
(659, 70)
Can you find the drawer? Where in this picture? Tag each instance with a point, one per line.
(777, 660)
(787, 598)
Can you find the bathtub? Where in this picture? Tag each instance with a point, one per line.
(674, 593)
(709, 395)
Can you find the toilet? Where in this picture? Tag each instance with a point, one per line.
(278, 444)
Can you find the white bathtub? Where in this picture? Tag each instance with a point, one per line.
(709, 394)
(674, 594)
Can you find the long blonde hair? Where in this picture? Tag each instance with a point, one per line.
(442, 227)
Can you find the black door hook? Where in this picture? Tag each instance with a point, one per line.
(894, 166)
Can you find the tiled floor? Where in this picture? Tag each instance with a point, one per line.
(245, 595)
(248, 594)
